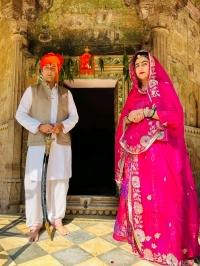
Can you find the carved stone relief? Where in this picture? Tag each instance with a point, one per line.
(192, 111)
(45, 4)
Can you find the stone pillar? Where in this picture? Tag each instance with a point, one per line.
(12, 179)
(159, 44)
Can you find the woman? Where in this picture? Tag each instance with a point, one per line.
(158, 209)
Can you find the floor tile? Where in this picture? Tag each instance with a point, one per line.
(109, 238)
(92, 262)
(99, 229)
(72, 227)
(23, 228)
(79, 236)
(84, 224)
(44, 235)
(13, 242)
(127, 247)
(118, 257)
(10, 231)
(71, 256)
(5, 259)
(26, 253)
(47, 260)
(97, 246)
(3, 223)
(57, 244)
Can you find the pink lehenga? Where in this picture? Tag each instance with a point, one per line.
(158, 209)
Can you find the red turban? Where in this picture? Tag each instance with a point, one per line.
(52, 58)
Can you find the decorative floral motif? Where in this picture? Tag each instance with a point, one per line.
(154, 246)
(157, 235)
(171, 260)
(138, 208)
(140, 235)
(148, 238)
(149, 197)
(148, 254)
(153, 83)
(136, 182)
(144, 141)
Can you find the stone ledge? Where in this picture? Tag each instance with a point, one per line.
(89, 205)
(192, 130)
(3, 127)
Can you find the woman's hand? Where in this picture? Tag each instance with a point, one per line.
(136, 116)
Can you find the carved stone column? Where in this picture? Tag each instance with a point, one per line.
(158, 16)
(159, 44)
(12, 180)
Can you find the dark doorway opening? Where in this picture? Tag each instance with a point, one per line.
(93, 143)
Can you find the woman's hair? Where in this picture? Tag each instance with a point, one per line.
(140, 53)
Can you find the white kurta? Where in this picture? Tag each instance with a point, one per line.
(59, 166)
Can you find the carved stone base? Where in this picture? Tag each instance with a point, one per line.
(89, 205)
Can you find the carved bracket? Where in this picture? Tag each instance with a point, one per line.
(163, 11)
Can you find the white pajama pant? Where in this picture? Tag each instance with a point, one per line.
(56, 193)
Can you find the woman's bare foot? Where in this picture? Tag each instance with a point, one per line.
(62, 230)
(34, 235)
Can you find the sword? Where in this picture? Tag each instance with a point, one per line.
(48, 141)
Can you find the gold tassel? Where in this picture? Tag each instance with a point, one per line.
(48, 229)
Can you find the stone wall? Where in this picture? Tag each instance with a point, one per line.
(6, 59)
(184, 68)
(5, 98)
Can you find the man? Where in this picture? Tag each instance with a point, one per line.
(47, 108)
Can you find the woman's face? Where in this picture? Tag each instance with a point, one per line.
(142, 68)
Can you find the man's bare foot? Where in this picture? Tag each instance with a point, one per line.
(34, 235)
(62, 230)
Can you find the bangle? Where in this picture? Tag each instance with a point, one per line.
(154, 111)
(146, 111)
(128, 119)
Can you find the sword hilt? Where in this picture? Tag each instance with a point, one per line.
(48, 141)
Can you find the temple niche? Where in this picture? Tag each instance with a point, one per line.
(31, 28)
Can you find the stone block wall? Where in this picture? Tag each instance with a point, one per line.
(184, 68)
(6, 57)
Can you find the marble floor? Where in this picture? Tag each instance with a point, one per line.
(89, 243)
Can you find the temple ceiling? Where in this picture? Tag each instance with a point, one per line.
(107, 27)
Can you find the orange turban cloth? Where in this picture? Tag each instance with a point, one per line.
(55, 59)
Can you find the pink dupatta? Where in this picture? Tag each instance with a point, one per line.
(138, 137)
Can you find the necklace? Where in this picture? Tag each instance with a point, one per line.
(143, 90)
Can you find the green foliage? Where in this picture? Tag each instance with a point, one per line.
(126, 67)
(66, 71)
(37, 62)
(101, 64)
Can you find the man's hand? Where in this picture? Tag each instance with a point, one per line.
(46, 128)
(57, 128)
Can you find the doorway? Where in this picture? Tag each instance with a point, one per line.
(93, 142)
